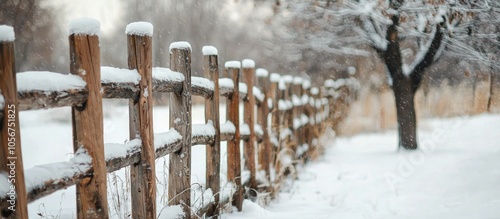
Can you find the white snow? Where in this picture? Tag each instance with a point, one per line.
(209, 50)
(203, 129)
(314, 91)
(296, 100)
(226, 85)
(232, 64)
(306, 84)
(297, 80)
(304, 99)
(227, 127)
(7, 34)
(243, 87)
(165, 74)
(48, 81)
(113, 150)
(261, 73)
(166, 138)
(202, 82)
(351, 70)
(275, 77)
(179, 45)
(329, 83)
(84, 26)
(37, 175)
(248, 63)
(258, 130)
(453, 175)
(288, 79)
(258, 94)
(244, 129)
(170, 212)
(119, 75)
(140, 28)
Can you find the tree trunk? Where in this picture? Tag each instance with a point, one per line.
(405, 109)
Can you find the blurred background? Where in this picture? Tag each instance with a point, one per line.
(288, 37)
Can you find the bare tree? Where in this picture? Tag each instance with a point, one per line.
(408, 35)
(35, 33)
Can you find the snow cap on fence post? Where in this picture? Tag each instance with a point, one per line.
(261, 72)
(248, 63)
(140, 28)
(7, 33)
(275, 77)
(209, 50)
(179, 45)
(232, 64)
(84, 26)
(297, 80)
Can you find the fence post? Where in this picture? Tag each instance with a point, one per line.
(314, 117)
(262, 114)
(87, 119)
(308, 111)
(211, 71)
(249, 119)
(275, 118)
(296, 89)
(10, 137)
(232, 69)
(142, 174)
(179, 181)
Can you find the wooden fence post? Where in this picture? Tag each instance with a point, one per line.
(315, 128)
(87, 119)
(297, 112)
(262, 114)
(211, 71)
(142, 174)
(10, 137)
(275, 117)
(232, 69)
(179, 181)
(249, 119)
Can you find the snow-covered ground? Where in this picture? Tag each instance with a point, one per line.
(455, 174)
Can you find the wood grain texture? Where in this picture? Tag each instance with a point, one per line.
(180, 118)
(275, 122)
(88, 126)
(143, 178)
(11, 159)
(262, 119)
(212, 178)
(249, 118)
(233, 145)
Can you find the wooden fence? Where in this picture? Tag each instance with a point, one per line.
(297, 113)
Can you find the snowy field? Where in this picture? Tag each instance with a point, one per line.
(455, 174)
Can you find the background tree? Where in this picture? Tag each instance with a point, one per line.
(35, 31)
(408, 36)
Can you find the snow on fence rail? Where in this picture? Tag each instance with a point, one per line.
(298, 114)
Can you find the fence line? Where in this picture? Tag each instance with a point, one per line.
(298, 114)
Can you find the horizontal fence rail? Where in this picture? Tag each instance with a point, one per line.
(283, 118)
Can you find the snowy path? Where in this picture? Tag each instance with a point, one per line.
(458, 176)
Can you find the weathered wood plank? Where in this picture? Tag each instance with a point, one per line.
(212, 176)
(142, 174)
(262, 118)
(248, 118)
(180, 118)
(11, 159)
(88, 126)
(233, 145)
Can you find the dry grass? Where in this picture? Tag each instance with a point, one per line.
(375, 111)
